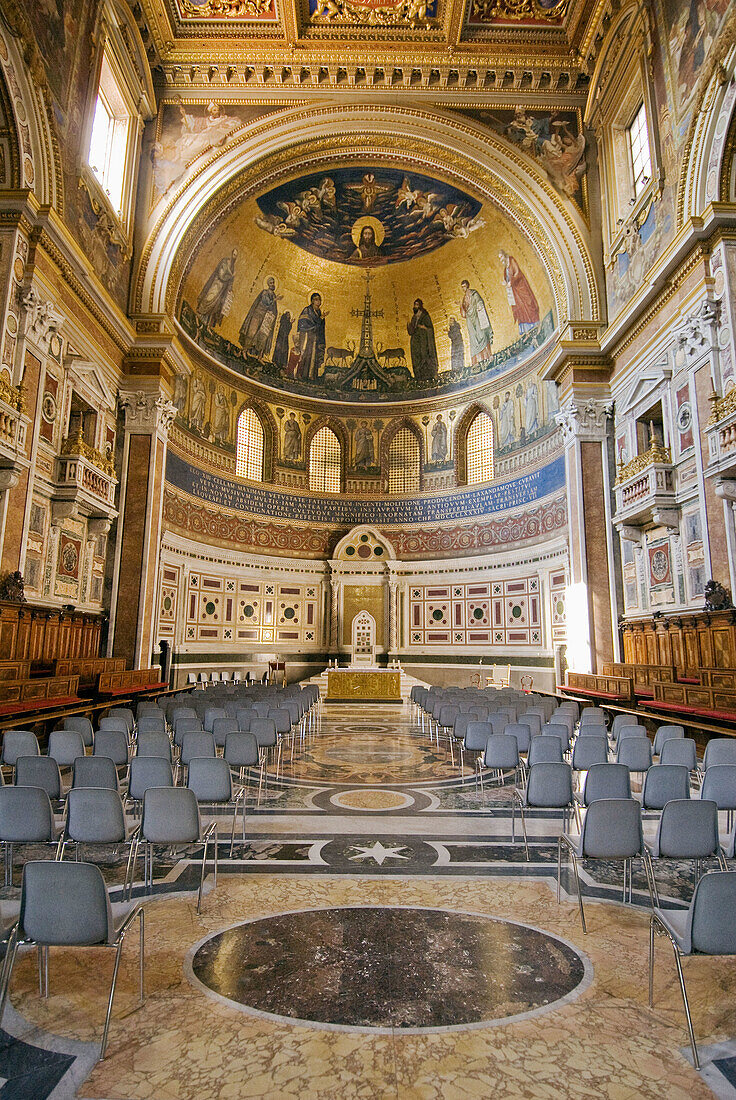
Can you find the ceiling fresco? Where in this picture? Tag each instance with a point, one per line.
(367, 283)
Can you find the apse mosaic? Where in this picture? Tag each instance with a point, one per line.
(366, 283)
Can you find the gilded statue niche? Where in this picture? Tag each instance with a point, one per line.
(367, 283)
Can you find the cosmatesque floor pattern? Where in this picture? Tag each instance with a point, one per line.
(378, 933)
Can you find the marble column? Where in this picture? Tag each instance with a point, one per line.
(148, 415)
(591, 605)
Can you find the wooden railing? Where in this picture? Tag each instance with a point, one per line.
(27, 691)
(644, 677)
(136, 679)
(620, 688)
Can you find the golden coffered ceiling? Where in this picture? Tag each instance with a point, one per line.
(447, 46)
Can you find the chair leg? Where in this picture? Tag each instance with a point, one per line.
(8, 964)
(580, 893)
(201, 877)
(651, 961)
(113, 984)
(523, 829)
(141, 952)
(686, 1004)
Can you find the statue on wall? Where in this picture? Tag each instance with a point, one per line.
(439, 440)
(292, 439)
(424, 361)
(480, 331)
(256, 331)
(217, 294)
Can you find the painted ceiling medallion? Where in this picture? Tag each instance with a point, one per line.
(373, 12)
(245, 10)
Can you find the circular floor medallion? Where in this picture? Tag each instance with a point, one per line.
(371, 800)
(380, 968)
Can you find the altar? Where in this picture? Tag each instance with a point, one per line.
(365, 685)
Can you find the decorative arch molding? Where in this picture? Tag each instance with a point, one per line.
(387, 438)
(270, 433)
(707, 175)
(339, 430)
(271, 149)
(39, 167)
(373, 534)
(460, 438)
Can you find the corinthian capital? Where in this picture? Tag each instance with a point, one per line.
(146, 412)
(585, 418)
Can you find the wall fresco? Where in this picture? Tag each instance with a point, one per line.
(332, 285)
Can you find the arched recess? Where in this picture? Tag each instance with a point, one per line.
(270, 433)
(460, 438)
(711, 141)
(269, 150)
(39, 162)
(343, 439)
(386, 440)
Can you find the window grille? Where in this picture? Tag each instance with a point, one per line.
(403, 463)
(249, 460)
(324, 462)
(479, 450)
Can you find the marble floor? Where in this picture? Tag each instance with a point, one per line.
(379, 933)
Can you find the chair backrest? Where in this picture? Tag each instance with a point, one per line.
(148, 771)
(679, 750)
(126, 714)
(534, 723)
(211, 715)
(606, 781)
(546, 750)
(631, 731)
(241, 750)
(38, 771)
(111, 722)
(522, 734)
(666, 733)
(243, 717)
(264, 731)
(634, 752)
(151, 723)
(571, 707)
(210, 779)
(688, 829)
(549, 784)
(720, 750)
(82, 725)
(64, 904)
(620, 720)
(197, 744)
(592, 714)
(501, 751)
(153, 743)
(710, 919)
(94, 815)
(556, 729)
(65, 746)
(564, 718)
(612, 829)
(18, 743)
(170, 816)
(26, 816)
(112, 743)
(221, 727)
(662, 783)
(281, 718)
(95, 771)
(719, 785)
(589, 751)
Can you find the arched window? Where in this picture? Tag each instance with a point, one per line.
(249, 460)
(325, 462)
(403, 462)
(479, 450)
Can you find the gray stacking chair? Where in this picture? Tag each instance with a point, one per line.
(81, 725)
(183, 726)
(719, 750)
(67, 905)
(153, 743)
(688, 829)
(171, 817)
(666, 733)
(212, 783)
(95, 815)
(221, 727)
(26, 817)
(243, 717)
(501, 756)
(680, 750)
(264, 731)
(39, 771)
(114, 744)
(719, 785)
(588, 751)
(533, 721)
(662, 783)
(65, 746)
(556, 729)
(18, 743)
(593, 715)
(620, 720)
(95, 771)
(211, 715)
(282, 721)
(145, 772)
(126, 714)
(635, 753)
(611, 830)
(114, 722)
(151, 723)
(605, 780)
(548, 787)
(241, 752)
(544, 750)
(196, 744)
(633, 730)
(706, 928)
(475, 739)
